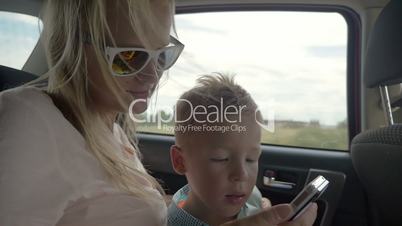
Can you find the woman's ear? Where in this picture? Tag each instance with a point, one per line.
(176, 156)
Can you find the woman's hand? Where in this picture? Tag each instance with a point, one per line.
(278, 215)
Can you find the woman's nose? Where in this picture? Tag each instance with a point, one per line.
(149, 74)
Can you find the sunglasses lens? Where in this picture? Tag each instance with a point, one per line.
(129, 62)
(168, 57)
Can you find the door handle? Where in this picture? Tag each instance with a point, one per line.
(269, 180)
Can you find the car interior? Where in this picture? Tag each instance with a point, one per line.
(365, 174)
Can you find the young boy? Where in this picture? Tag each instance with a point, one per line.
(217, 149)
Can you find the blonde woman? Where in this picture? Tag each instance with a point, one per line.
(63, 158)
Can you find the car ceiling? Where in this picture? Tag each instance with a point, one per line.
(32, 7)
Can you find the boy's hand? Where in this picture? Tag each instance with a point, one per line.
(265, 203)
(278, 215)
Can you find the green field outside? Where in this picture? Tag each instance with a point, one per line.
(307, 135)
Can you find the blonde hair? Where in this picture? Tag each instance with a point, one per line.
(218, 90)
(68, 25)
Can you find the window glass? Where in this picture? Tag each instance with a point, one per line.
(292, 63)
(19, 35)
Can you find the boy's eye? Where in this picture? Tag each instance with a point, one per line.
(251, 160)
(219, 159)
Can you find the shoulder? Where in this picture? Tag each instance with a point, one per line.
(180, 197)
(23, 115)
(23, 101)
(255, 198)
(21, 112)
(23, 93)
(253, 204)
(25, 136)
(178, 216)
(27, 160)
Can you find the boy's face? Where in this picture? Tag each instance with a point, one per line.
(222, 168)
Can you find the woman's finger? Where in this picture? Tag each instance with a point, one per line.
(275, 214)
(268, 217)
(306, 219)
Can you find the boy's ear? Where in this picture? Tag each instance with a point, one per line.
(176, 156)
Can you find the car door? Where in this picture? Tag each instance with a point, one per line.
(301, 64)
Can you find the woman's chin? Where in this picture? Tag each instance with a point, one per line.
(139, 108)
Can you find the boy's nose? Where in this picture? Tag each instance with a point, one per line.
(238, 173)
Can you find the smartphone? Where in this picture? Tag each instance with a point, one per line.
(309, 194)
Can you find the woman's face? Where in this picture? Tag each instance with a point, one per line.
(142, 84)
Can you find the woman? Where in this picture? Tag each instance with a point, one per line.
(63, 159)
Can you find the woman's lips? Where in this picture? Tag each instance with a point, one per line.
(139, 95)
(235, 199)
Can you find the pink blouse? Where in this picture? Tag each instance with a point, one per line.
(47, 177)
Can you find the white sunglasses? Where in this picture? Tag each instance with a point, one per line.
(130, 61)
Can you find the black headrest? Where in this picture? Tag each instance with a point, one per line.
(383, 65)
(10, 77)
(377, 156)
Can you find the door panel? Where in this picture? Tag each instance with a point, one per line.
(344, 202)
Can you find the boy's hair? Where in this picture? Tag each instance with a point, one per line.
(217, 90)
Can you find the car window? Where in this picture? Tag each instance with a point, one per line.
(292, 63)
(19, 35)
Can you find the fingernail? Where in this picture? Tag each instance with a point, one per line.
(284, 211)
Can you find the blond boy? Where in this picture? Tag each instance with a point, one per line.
(217, 149)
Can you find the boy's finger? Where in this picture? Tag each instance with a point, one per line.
(265, 203)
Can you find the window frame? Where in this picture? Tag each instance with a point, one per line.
(353, 58)
(34, 49)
